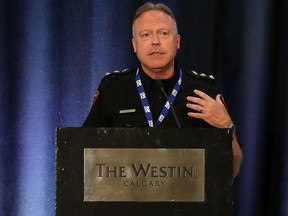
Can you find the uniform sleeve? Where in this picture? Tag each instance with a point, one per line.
(96, 116)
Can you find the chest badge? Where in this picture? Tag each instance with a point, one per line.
(127, 111)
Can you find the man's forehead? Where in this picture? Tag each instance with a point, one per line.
(153, 17)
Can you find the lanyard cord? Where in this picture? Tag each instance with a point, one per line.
(145, 103)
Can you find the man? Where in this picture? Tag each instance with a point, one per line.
(135, 98)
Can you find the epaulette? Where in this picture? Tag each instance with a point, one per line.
(200, 75)
(115, 73)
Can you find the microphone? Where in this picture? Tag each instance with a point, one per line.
(160, 85)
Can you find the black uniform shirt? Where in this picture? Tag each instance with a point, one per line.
(117, 103)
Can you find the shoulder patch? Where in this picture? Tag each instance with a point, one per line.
(108, 75)
(201, 75)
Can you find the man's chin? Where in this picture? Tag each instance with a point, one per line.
(158, 71)
(158, 67)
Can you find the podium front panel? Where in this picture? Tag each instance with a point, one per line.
(143, 171)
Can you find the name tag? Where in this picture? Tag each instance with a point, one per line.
(127, 111)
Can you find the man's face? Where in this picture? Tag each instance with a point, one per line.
(155, 40)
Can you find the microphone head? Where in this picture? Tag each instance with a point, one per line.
(159, 84)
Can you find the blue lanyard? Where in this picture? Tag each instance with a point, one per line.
(145, 103)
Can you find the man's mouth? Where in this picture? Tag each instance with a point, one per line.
(156, 53)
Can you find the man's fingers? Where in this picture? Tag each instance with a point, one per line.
(218, 99)
(202, 95)
(195, 107)
(196, 100)
(195, 115)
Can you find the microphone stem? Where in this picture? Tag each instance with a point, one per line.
(171, 107)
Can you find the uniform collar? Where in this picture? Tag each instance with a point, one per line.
(149, 83)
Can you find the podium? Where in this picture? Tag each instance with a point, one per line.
(144, 171)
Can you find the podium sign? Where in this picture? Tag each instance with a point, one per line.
(144, 174)
(124, 171)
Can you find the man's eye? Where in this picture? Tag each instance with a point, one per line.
(145, 35)
(164, 33)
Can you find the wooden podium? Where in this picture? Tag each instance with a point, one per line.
(144, 171)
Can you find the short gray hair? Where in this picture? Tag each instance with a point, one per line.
(148, 6)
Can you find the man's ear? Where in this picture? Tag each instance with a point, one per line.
(178, 41)
(134, 44)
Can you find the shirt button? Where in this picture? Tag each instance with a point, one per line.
(160, 97)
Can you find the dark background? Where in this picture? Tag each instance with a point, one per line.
(53, 54)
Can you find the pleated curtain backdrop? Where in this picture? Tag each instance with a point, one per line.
(53, 54)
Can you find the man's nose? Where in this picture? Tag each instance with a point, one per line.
(155, 40)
